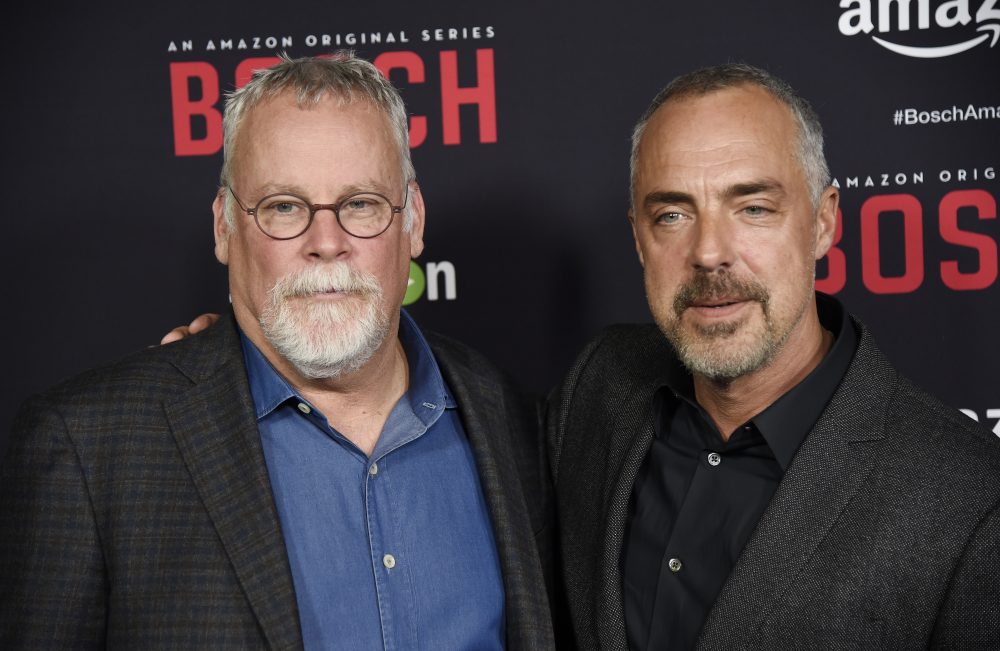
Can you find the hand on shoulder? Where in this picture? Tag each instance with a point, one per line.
(180, 332)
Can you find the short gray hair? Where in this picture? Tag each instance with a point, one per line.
(730, 75)
(343, 76)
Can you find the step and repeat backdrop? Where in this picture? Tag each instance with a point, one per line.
(521, 114)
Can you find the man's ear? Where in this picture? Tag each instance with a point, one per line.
(635, 236)
(416, 207)
(826, 220)
(221, 228)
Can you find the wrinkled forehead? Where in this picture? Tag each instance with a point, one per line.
(740, 126)
(330, 129)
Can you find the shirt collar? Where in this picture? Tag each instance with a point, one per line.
(427, 385)
(427, 394)
(791, 417)
(268, 388)
(787, 421)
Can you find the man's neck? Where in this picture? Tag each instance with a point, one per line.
(357, 405)
(731, 403)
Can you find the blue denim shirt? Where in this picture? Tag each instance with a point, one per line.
(394, 551)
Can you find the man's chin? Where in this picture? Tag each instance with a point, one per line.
(723, 368)
(318, 312)
(319, 353)
(724, 350)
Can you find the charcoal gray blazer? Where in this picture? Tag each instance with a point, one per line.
(883, 534)
(136, 511)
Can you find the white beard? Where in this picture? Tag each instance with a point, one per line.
(326, 339)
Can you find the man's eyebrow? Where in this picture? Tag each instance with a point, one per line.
(667, 196)
(753, 187)
(278, 188)
(346, 191)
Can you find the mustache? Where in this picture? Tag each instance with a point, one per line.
(335, 277)
(713, 286)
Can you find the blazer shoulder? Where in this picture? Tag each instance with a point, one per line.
(622, 360)
(632, 337)
(954, 437)
(140, 371)
(933, 443)
(632, 354)
(157, 372)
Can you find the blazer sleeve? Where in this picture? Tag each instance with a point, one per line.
(52, 577)
(970, 615)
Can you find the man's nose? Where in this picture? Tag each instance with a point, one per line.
(712, 245)
(325, 238)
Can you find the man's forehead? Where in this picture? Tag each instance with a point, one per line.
(285, 109)
(713, 142)
(739, 119)
(328, 130)
(713, 119)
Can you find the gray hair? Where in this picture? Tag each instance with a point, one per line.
(344, 76)
(708, 80)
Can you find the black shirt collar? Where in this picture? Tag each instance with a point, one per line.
(791, 417)
(787, 421)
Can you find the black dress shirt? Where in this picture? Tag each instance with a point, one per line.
(698, 498)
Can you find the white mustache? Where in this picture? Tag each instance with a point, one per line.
(336, 277)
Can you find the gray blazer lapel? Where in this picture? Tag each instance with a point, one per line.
(486, 419)
(602, 427)
(216, 430)
(630, 457)
(825, 474)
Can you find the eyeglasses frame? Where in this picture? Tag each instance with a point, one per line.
(316, 207)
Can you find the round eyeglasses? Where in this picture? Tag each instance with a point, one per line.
(285, 216)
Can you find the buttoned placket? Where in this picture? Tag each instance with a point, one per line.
(386, 538)
(709, 464)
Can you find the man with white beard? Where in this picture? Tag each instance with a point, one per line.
(312, 471)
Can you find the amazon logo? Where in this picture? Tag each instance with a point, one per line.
(895, 21)
(437, 280)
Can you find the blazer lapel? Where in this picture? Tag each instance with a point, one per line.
(608, 429)
(824, 476)
(216, 430)
(485, 418)
(629, 459)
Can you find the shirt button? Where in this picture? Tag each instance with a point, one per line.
(675, 565)
(714, 459)
(373, 469)
(389, 561)
(304, 408)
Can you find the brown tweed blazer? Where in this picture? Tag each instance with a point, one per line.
(136, 511)
(883, 534)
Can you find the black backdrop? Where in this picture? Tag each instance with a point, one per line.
(107, 223)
